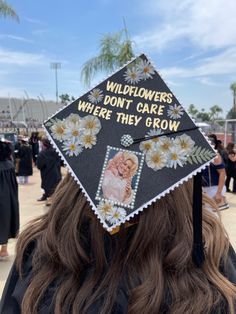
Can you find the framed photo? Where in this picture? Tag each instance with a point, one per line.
(120, 176)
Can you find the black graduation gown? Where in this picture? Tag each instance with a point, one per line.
(15, 288)
(9, 206)
(25, 164)
(49, 164)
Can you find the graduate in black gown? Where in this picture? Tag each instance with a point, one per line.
(25, 161)
(9, 206)
(49, 164)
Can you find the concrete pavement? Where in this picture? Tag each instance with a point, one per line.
(30, 208)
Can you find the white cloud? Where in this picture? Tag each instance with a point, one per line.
(18, 38)
(40, 32)
(206, 24)
(222, 64)
(208, 81)
(34, 21)
(21, 58)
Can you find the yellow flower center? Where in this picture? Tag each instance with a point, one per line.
(96, 94)
(60, 130)
(184, 145)
(156, 159)
(133, 75)
(106, 208)
(90, 125)
(75, 132)
(146, 69)
(176, 111)
(174, 156)
(116, 215)
(147, 146)
(165, 146)
(72, 147)
(88, 139)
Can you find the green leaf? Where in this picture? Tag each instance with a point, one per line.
(199, 154)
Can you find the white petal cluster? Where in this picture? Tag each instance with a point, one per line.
(59, 130)
(91, 125)
(175, 112)
(95, 96)
(111, 213)
(166, 152)
(185, 143)
(146, 69)
(132, 75)
(156, 159)
(142, 70)
(76, 133)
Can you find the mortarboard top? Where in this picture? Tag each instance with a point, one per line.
(128, 142)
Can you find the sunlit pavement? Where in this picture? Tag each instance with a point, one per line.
(30, 208)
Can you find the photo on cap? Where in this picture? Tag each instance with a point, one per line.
(132, 112)
(120, 177)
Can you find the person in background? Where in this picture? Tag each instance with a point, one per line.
(9, 205)
(34, 142)
(222, 151)
(213, 179)
(16, 151)
(231, 167)
(49, 164)
(219, 147)
(25, 161)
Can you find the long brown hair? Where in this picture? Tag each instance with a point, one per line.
(151, 259)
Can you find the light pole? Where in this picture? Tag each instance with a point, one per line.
(55, 66)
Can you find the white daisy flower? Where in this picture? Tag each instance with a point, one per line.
(146, 69)
(88, 140)
(72, 148)
(104, 208)
(74, 131)
(59, 130)
(146, 146)
(175, 112)
(185, 143)
(95, 96)
(165, 144)
(132, 75)
(156, 160)
(154, 132)
(116, 215)
(91, 125)
(176, 157)
(73, 118)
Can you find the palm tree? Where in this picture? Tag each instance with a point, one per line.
(115, 50)
(193, 111)
(7, 11)
(233, 88)
(214, 112)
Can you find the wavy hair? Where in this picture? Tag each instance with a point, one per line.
(153, 257)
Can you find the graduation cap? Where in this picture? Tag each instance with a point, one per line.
(128, 142)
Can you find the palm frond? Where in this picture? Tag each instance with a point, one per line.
(7, 11)
(126, 52)
(233, 87)
(113, 53)
(101, 63)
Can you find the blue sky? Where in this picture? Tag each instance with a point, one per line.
(191, 43)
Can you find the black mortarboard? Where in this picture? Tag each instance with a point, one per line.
(128, 142)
